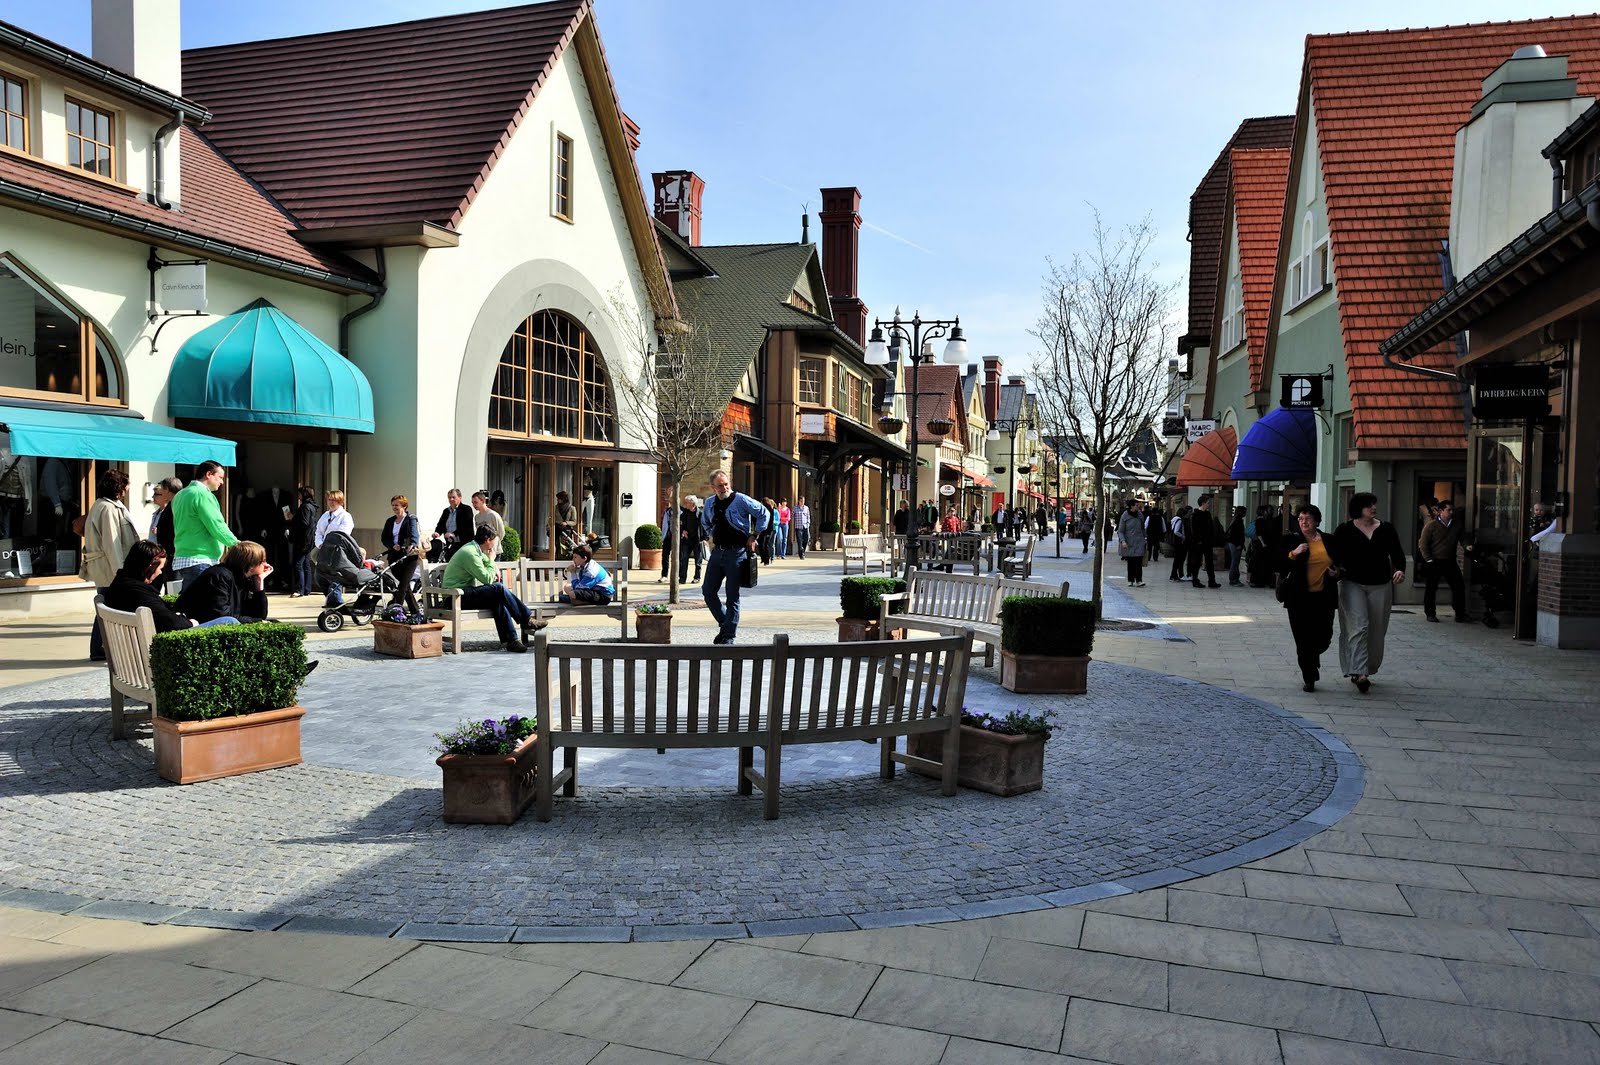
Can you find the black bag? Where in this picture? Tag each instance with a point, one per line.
(749, 571)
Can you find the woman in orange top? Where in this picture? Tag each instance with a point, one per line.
(1308, 591)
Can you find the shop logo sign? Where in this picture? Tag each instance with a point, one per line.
(15, 348)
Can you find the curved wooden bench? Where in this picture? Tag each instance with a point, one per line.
(955, 602)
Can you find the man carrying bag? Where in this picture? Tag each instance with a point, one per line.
(731, 521)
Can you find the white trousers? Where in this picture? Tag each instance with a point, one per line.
(1363, 622)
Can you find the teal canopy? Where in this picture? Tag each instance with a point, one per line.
(70, 434)
(260, 365)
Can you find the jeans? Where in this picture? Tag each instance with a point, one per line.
(97, 647)
(688, 551)
(597, 596)
(723, 567)
(802, 539)
(1363, 623)
(780, 542)
(225, 620)
(302, 573)
(1311, 623)
(510, 613)
(189, 574)
(1235, 553)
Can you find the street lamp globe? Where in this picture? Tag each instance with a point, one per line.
(992, 434)
(877, 350)
(955, 349)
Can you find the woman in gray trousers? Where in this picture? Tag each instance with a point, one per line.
(1372, 562)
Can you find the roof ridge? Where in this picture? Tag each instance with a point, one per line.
(459, 16)
(1450, 28)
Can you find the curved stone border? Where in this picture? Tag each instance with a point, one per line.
(1346, 792)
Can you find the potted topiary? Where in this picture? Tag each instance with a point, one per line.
(852, 526)
(1045, 644)
(225, 699)
(647, 538)
(654, 621)
(401, 635)
(1000, 755)
(831, 528)
(488, 770)
(510, 546)
(860, 603)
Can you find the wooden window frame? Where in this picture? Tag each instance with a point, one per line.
(563, 384)
(820, 397)
(90, 339)
(8, 78)
(109, 144)
(561, 177)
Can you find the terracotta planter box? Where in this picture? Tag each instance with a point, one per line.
(190, 751)
(989, 761)
(488, 789)
(650, 559)
(654, 628)
(853, 630)
(408, 641)
(1065, 674)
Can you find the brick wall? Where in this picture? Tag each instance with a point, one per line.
(1569, 585)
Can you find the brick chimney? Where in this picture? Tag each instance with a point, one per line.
(678, 195)
(991, 387)
(841, 259)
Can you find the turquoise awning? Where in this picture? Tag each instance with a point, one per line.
(112, 438)
(260, 365)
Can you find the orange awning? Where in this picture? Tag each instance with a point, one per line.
(1209, 461)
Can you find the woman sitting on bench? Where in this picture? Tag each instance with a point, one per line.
(587, 580)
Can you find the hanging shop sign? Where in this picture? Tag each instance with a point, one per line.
(947, 489)
(1200, 427)
(813, 424)
(1301, 391)
(181, 287)
(1510, 391)
(1172, 425)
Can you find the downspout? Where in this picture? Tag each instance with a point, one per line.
(158, 150)
(1558, 183)
(377, 298)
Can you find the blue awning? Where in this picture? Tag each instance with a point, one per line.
(260, 365)
(112, 438)
(1282, 446)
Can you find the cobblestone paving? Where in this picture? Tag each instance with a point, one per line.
(1147, 773)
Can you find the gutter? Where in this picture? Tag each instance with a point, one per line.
(160, 231)
(91, 71)
(377, 298)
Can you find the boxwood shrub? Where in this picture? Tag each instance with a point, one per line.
(647, 537)
(859, 597)
(510, 546)
(228, 670)
(1046, 626)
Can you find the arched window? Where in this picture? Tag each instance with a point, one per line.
(552, 384)
(48, 348)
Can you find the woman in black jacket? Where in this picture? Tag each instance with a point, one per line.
(302, 537)
(402, 548)
(1309, 591)
(232, 589)
(1373, 562)
(134, 586)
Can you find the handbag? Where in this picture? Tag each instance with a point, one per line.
(749, 571)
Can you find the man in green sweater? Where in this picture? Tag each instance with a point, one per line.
(472, 569)
(199, 535)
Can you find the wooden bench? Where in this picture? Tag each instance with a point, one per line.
(127, 639)
(766, 697)
(954, 602)
(536, 583)
(865, 548)
(1020, 568)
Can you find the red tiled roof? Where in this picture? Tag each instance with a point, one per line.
(218, 203)
(380, 124)
(1208, 218)
(944, 380)
(1260, 176)
(1388, 105)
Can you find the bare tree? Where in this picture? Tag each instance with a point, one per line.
(674, 405)
(1102, 376)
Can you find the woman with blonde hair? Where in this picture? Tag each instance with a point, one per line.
(232, 588)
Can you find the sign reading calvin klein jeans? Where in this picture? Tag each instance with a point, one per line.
(813, 424)
(1510, 391)
(181, 287)
(1301, 391)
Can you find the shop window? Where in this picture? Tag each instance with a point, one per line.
(13, 112)
(561, 202)
(47, 347)
(39, 498)
(1345, 430)
(813, 381)
(1233, 318)
(90, 143)
(551, 382)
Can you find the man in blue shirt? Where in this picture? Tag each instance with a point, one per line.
(731, 520)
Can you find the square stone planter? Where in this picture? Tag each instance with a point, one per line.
(1034, 674)
(408, 641)
(654, 628)
(488, 789)
(191, 751)
(989, 761)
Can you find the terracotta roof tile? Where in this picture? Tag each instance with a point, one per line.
(1208, 217)
(1259, 177)
(1388, 105)
(380, 124)
(945, 380)
(219, 203)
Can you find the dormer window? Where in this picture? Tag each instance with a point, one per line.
(13, 112)
(90, 138)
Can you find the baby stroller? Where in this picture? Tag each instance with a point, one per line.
(1496, 584)
(340, 561)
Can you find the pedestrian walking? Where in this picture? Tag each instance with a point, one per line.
(1236, 541)
(336, 519)
(1372, 563)
(784, 517)
(199, 534)
(1180, 541)
(768, 531)
(1130, 543)
(1202, 536)
(1155, 527)
(1309, 591)
(731, 521)
(668, 542)
(108, 533)
(800, 526)
(1436, 550)
(302, 537)
(1085, 530)
(689, 538)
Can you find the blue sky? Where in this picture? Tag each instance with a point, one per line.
(980, 143)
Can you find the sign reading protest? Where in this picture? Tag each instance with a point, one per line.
(1301, 392)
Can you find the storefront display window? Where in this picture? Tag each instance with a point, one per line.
(39, 498)
(47, 348)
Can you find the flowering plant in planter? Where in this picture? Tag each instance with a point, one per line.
(396, 614)
(487, 736)
(654, 608)
(1015, 723)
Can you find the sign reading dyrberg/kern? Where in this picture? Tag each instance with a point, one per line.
(1510, 391)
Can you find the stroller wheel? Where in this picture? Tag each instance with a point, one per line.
(360, 616)
(330, 621)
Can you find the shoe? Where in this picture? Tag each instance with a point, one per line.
(1236, 584)
(1213, 584)
(311, 667)
(1308, 686)
(1197, 584)
(516, 646)
(1433, 617)
(1363, 685)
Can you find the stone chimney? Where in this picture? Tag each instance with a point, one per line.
(140, 37)
(1502, 183)
(991, 387)
(841, 259)
(678, 195)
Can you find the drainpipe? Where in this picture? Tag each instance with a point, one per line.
(1392, 363)
(158, 186)
(1558, 183)
(377, 298)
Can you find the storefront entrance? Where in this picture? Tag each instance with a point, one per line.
(1513, 468)
(555, 502)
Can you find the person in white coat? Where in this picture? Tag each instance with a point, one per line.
(108, 533)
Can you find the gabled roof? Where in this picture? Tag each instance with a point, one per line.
(933, 381)
(1260, 177)
(1388, 105)
(971, 382)
(1208, 218)
(1012, 399)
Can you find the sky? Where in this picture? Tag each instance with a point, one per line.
(982, 146)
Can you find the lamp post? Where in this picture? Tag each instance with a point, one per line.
(919, 334)
(1012, 426)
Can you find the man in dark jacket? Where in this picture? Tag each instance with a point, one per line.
(454, 530)
(302, 534)
(1155, 527)
(1436, 548)
(1202, 536)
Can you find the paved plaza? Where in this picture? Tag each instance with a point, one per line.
(1452, 916)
